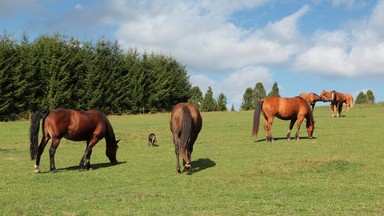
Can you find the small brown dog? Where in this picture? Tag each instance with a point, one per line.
(152, 140)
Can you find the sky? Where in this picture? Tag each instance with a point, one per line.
(304, 46)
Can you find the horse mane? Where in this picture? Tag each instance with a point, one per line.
(110, 135)
(310, 118)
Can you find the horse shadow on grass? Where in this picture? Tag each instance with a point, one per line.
(93, 166)
(201, 164)
(285, 138)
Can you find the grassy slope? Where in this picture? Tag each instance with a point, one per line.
(340, 172)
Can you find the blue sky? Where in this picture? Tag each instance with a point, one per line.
(304, 46)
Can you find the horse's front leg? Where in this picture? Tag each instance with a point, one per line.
(299, 121)
(290, 129)
(85, 161)
(52, 151)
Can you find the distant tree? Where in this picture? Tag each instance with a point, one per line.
(196, 96)
(248, 100)
(209, 103)
(259, 91)
(370, 97)
(361, 98)
(232, 108)
(221, 103)
(274, 91)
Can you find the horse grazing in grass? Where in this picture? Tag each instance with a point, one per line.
(311, 99)
(294, 109)
(337, 99)
(90, 126)
(185, 124)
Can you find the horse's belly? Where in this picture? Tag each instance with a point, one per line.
(76, 136)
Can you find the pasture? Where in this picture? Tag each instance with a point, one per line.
(339, 172)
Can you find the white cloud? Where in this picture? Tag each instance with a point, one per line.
(355, 51)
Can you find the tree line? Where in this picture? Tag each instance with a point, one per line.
(59, 71)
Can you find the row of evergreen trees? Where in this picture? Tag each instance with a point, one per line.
(57, 71)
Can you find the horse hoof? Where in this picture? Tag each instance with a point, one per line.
(54, 170)
(37, 169)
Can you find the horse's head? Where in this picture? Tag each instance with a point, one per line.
(111, 152)
(326, 96)
(310, 128)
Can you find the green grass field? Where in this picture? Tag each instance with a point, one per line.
(340, 172)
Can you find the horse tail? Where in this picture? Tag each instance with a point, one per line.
(351, 102)
(256, 117)
(34, 131)
(187, 126)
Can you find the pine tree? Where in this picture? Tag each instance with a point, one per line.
(196, 96)
(8, 59)
(370, 97)
(248, 100)
(209, 103)
(221, 103)
(274, 91)
(259, 91)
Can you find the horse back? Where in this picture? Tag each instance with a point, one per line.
(75, 125)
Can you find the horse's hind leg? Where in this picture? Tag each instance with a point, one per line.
(268, 130)
(290, 128)
(40, 151)
(176, 142)
(52, 151)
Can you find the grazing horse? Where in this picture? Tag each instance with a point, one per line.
(185, 124)
(311, 99)
(337, 99)
(286, 109)
(90, 126)
(152, 139)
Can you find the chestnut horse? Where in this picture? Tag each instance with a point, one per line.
(90, 126)
(286, 109)
(311, 99)
(337, 99)
(185, 124)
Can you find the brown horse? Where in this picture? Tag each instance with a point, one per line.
(90, 126)
(286, 109)
(337, 99)
(311, 99)
(185, 124)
